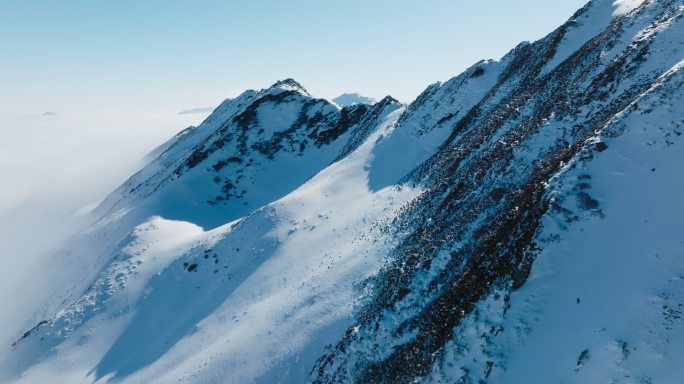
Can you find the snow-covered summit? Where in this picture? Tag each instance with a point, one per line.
(349, 99)
(289, 85)
(225, 168)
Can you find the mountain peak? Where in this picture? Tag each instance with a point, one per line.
(290, 84)
(389, 100)
(349, 99)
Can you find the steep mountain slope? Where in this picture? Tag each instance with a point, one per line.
(475, 229)
(518, 223)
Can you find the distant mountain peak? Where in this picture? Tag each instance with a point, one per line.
(290, 84)
(349, 99)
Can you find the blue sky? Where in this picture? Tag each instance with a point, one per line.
(129, 56)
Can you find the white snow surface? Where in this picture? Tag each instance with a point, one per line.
(613, 285)
(605, 299)
(624, 7)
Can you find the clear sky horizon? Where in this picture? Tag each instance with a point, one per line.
(127, 57)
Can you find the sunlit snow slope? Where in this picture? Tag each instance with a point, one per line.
(519, 223)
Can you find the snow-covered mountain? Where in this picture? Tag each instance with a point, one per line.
(520, 222)
(349, 99)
